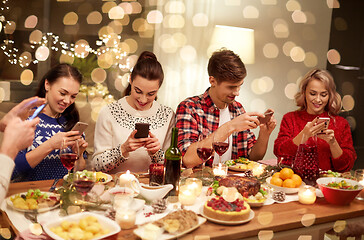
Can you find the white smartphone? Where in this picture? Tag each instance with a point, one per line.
(324, 119)
(80, 126)
(37, 111)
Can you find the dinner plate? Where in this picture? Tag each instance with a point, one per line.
(166, 236)
(109, 178)
(251, 216)
(284, 189)
(105, 222)
(40, 210)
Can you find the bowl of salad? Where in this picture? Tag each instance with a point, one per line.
(339, 191)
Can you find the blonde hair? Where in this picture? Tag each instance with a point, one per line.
(334, 104)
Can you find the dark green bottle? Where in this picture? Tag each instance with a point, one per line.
(172, 164)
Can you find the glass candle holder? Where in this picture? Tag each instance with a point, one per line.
(156, 173)
(186, 196)
(359, 176)
(125, 218)
(220, 169)
(307, 194)
(195, 185)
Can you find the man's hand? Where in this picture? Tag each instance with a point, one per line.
(245, 121)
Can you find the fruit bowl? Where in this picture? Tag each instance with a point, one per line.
(283, 189)
(335, 195)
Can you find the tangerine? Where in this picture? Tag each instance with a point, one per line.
(276, 181)
(286, 173)
(297, 180)
(277, 174)
(289, 183)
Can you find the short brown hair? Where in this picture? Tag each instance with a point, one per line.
(334, 104)
(225, 65)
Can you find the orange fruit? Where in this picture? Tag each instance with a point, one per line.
(297, 180)
(277, 174)
(276, 181)
(286, 173)
(289, 183)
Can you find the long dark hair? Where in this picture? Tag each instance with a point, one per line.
(62, 70)
(147, 67)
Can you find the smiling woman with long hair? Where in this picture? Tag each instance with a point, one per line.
(116, 148)
(41, 160)
(316, 98)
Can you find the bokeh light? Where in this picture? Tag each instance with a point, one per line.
(280, 28)
(25, 59)
(155, 16)
(42, 53)
(26, 77)
(264, 218)
(66, 57)
(188, 53)
(310, 60)
(340, 24)
(348, 102)
(116, 26)
(127, 7)
(339, 226)
(305, 237)
(200, 20)
(31, 21)
(293, 5)
(290, 90)
(299, 17)
(105, 60)
(297, 54)
(10, 27)
(98, 75)
(265, 235)
(105, 31)
(137, 7)
(270, 50)
(250, 12)
(133, 45)
(106, 7)
(82, 48)
(333, 3)
(35, 37)
(175, 7)
(308, 219)
(94, 18)
(287, 47)
(179, 39)
(311, 19)
(70, 18)
(116, 13)
(232, 2)
(333, 56)
(174, 21)
(269, 2)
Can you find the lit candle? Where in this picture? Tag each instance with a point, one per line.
(220, 169)
(125, 218)
(307, 195)
(195, 185)
(186, 195)
(130, 181)
(257, 171)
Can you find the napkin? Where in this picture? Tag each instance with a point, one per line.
(27, 235)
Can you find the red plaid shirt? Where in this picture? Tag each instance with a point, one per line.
(199, 114)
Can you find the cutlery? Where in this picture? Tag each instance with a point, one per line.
(35, 228)
(53, 187)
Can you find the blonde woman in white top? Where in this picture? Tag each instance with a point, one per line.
(116, 148)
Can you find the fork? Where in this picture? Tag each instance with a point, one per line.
(54, 185)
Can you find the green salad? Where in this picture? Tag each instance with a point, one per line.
(342, 185)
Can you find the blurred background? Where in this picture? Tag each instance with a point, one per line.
(278, 40)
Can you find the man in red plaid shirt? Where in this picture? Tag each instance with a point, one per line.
(204, 113)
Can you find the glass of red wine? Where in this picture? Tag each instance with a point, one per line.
(220, 144)
(204, 151)
(84, 181)
(69, 153)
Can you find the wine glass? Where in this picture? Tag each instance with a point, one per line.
(220, 144)
(83, 182)
(204, 150)
(69, 153)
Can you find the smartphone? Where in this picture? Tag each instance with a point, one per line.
(266, 118)
(143, 130)
(324, 119)
(80, 126)
(37, 111)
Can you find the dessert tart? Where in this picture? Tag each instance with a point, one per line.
(220, 209)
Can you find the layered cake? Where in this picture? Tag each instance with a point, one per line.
(220, 209)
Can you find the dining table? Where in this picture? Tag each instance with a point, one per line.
(276, 221)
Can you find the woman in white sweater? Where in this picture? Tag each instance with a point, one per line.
(116, 148)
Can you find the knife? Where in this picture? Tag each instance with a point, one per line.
(53, 187)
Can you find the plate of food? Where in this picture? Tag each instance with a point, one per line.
(101, 177)
(87, 224)
(174, 225)
(237, 222)
(258, 199)
(286, 190)
(33, 200)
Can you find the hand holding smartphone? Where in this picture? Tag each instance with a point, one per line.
(267, 117)
(80, 126)
(37, 111)
(326, 120)
(142, 130)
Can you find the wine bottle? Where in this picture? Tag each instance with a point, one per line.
(172, 164)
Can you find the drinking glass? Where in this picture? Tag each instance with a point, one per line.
(220, 144)
(69, 153)
(83, 182)
(204, 151)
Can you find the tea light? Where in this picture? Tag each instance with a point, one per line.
(359, 176)
(257, 171)
(186, 195)
(307, 194)
(220, 169)
(126, 179)
(125, 218)
(195, 185)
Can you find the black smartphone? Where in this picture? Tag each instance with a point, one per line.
(143, 130)
(37, 111)
(266, 118)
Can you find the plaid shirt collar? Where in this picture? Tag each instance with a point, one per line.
(207, 101)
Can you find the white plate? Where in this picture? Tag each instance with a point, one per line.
(166, 236)
(40, 210)
(105, 222)
(109, 178)
(283, 189)
(251, 216)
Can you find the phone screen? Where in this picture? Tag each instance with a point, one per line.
(37, 111)
(143, 130)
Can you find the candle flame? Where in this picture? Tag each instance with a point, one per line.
(127, 172)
